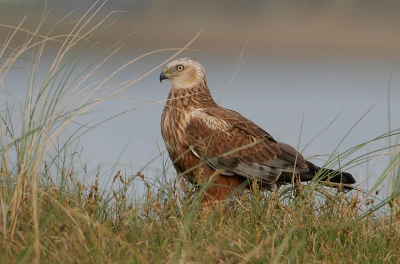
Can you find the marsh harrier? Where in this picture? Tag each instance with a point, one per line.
(209, 143)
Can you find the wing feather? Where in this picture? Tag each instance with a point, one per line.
(239, 146)
(288, 153)
(244, 149)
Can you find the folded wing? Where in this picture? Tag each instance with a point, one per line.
(241, 147)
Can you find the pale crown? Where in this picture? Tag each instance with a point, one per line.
(184, 73)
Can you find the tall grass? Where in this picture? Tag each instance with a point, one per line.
(394, 142)
(36, 146)
(48, 215)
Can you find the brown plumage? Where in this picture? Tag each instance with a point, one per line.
(205, 140)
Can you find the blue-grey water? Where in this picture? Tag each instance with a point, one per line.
(284, 95)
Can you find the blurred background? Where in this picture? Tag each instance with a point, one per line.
(356, 28)
(292, 67)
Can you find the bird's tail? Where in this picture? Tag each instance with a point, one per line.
(335, 178)
(329, 175)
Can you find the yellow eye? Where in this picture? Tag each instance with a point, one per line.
(179, 68)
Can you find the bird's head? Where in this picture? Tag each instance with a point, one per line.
(184, 73)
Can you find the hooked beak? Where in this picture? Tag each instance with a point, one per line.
(163, 75)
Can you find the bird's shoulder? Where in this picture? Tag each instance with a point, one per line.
(228, 138)
(223, 119)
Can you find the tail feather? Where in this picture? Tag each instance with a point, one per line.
(328, 175)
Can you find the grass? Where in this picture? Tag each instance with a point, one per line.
(48, 214)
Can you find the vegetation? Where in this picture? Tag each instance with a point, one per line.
(48, 215)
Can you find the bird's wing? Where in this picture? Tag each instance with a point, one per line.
(227, 140)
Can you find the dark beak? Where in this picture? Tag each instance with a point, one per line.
(162, 77)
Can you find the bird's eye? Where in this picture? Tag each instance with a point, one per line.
(179, 68)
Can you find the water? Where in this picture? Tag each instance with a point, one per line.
(273, 92)
(284, 95)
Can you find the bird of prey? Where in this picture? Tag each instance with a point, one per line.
(211, 144)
